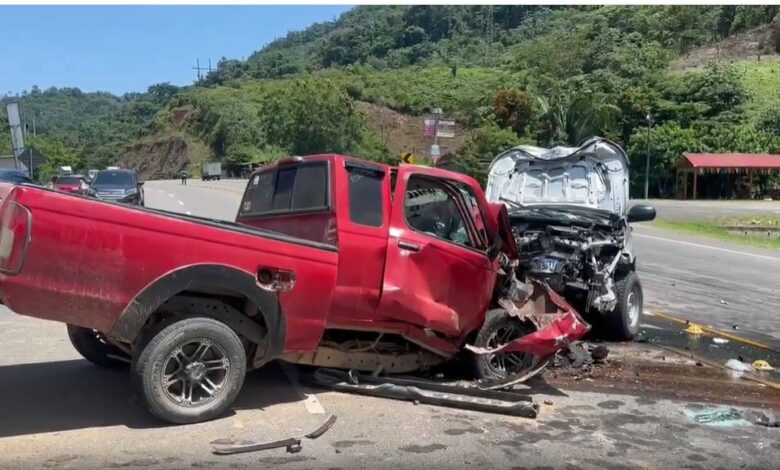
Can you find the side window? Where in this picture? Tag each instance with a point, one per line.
(476, 214)
(300, 188)
(365, 197)
(431, 208)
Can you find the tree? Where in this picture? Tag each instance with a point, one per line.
(572, 117)
(487, 142)
(310, 116)
(513, 109)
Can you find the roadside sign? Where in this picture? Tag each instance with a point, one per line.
(435, 152)
(446, 128)
(407, 157)
(429, 127)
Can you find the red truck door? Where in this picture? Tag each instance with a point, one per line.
(437, 272)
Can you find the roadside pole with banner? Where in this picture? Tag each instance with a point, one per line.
(438, 127)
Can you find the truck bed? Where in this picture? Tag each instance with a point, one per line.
(88, 261)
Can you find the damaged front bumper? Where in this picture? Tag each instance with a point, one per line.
(557, 326)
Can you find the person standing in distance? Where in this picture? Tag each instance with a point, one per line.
(183, 176)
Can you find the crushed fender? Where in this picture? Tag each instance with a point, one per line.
(293, 444)
(429, 392)
(556, 330)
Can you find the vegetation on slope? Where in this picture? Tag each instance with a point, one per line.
(509, 74)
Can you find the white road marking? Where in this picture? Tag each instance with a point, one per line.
(310, 401)
(181, 203)
(699, 245)
(171, 195)
(189, 213)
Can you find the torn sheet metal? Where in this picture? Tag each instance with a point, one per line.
(429, 392)
(293, 444)
(557, 330)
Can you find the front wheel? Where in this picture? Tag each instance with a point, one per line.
(623, 322)
(190, 371)
(501, 328)
(95, 347)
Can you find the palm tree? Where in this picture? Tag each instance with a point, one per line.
(573, 117)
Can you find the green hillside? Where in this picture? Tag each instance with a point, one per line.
(508, 74)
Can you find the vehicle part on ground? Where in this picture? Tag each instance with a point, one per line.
(429, 392)
(190, 370)
(95, 347)
(292, 444)
(392, 357)
(569, 212)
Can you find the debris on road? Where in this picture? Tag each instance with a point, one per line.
(429, 392)
(738, 365)
(694, 329)
(762, 365)
(292, 444)
(730, 416)
(720, 340)
(723, 302)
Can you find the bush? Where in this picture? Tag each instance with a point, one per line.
(513, 109)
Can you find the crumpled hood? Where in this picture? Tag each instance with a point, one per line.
(594, 175)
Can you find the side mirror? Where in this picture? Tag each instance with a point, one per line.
(641, 213)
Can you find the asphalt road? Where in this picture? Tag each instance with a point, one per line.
(58, 411)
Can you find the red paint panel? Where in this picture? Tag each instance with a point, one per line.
(88, 260)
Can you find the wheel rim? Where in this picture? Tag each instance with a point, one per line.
(632, 307)
(503, 364)
(195, 372)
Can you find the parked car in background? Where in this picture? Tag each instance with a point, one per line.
(119, 186)
(74, 184)
(14, 177)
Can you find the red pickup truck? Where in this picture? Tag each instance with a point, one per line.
(332, 261)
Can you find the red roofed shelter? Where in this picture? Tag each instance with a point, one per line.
(731, 163)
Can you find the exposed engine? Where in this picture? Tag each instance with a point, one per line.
(577, 262)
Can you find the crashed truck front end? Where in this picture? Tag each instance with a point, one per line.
(568, 211)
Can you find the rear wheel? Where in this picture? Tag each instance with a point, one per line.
(190, 371)
(501, 328)
(95, 347)
(623, 322)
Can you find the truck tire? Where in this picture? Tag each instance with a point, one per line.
(500, 328)
(190, 370)
(93, 346)
(622, 323)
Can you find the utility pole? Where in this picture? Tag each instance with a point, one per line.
(647, 155)
(198, 68)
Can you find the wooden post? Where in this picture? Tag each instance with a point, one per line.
(695, 174)
(750, 183)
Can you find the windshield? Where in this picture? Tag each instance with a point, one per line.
(114, 178)
(69, 180)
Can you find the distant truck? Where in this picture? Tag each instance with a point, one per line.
(211, 171)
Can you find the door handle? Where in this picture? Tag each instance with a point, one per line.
(408, 246)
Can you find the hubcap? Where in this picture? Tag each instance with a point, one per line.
(632, 306)
(195, 372)
(504, 364)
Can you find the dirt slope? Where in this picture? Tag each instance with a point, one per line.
(404, 133)
(750, 44)
(160, 158)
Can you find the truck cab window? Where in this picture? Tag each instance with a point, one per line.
(299, 188)
(365, 197)
(431, 208)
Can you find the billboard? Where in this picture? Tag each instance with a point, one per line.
(15, 123)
